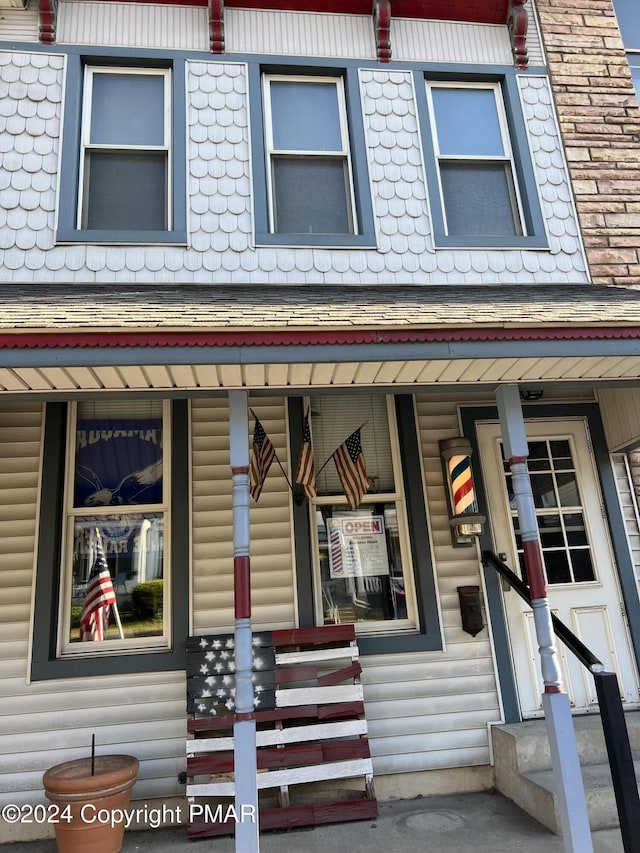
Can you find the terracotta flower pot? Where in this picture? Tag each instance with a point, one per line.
(91, 807)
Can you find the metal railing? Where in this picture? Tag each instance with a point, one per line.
(614, 724)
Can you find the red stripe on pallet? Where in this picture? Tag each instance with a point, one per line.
(340, 675)
(289, 675)
(302, 636)
(336, 711)
(268, 759)
(293, 816)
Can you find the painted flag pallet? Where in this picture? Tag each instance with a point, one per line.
(310, 723)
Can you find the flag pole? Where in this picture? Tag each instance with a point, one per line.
(330, 457)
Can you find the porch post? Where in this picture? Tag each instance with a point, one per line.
(569, 786)
(244, 729)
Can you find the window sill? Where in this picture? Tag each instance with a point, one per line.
(122, 238)
(161, 660)
(311, 241)
(443, 241)
(391, 644)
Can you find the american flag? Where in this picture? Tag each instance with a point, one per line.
(262, 455)
(100, 596)
(351, 469)
(306, 472)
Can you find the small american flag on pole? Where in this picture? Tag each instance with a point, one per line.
(262, 455)
(351, 469)
(306, 472)
(100, 596)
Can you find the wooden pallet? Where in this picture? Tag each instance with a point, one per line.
(310, 722)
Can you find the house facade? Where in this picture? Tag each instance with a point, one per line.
(371, 217)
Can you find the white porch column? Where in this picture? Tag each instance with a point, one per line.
(569, 786)
(244, 729)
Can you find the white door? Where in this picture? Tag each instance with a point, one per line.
(581, 575)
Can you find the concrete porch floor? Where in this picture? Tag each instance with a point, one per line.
(482, 822)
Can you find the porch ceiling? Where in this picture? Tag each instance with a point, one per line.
(70, 339)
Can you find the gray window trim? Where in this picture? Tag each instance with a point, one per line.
(365, 238)
(70, 161)
(536, 235)
(44, 663)
(429, 637)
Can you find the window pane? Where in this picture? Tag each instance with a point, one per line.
(557, 566)
(127, 109)
(635, 73)
(118, 462)
(133, 547)
(582, 566)
(629, 21)
(126, 191)
(551, 535)
(568, 489)
(544, 495)
(310, 196)
(360, 564)
(305, 117)
(467, 122)
(478, 199)
(333, 419)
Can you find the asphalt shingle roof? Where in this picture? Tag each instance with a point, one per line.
(194, 308)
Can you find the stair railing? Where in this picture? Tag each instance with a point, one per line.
(614, 725)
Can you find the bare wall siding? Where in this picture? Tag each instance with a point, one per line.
(220, 203)
(272, 573)
(430, 710)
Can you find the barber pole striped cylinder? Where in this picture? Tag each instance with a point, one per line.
(465, 521)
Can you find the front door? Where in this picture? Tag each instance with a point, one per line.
(581, 574)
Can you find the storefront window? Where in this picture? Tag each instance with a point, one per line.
(363, 571)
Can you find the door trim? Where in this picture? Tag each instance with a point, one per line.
(469, 416)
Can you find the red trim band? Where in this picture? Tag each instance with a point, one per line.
(243, 469)
(535, 570)
(242, 587)
(142, 338)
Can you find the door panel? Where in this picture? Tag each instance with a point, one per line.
(581, 574)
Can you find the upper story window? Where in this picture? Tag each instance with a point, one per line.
(478, 187)
(123, 171)
(125, 161)
(309, 176)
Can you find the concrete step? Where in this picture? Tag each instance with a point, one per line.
(601, 802)
(523, 772)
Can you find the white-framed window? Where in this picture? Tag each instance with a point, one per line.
(116, 501)
(309, 174)
(477, 180)
(362, 564)
(125, 162)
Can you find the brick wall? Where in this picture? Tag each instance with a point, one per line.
(600, 123)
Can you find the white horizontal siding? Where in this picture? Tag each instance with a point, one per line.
(430, 710)
(299, 33)
(535, 50)
(629, 507)
(272, 580)
(19, 24)
(133, 25)
(414, 40)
